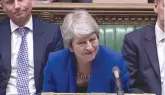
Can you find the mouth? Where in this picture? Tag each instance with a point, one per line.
(90, 52)
(18, 13)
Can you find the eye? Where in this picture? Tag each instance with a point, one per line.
(80, 43)
(20, 0)
(9, 1)
(92, 39)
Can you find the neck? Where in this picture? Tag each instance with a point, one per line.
(84, 67)
(161, 26)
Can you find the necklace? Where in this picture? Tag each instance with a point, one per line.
(83, 76)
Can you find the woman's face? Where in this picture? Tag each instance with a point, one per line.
(85, 48)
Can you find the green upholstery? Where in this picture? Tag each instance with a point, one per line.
(112, 36)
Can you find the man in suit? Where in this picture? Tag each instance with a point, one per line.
(144, 52)
(25, 43)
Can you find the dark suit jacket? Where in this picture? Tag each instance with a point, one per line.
(46, 38)
(140, 53)
(60, 72)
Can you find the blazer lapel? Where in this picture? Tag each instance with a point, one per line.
(151, 49)
(99, 78)
(39, 46)
(6, 45)
(72, 73)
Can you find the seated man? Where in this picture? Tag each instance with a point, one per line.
(144, 52)
(25, 43)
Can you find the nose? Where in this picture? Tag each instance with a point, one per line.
(89, 46)
(16, 4)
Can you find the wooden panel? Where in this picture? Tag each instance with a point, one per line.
(120, 1)
(105, 14)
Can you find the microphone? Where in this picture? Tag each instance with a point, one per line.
(116, 74)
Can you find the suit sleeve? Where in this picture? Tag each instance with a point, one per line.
(125, 75)
(130, 54)
(0, 71)
(49, 82)
(58, 41)
(3, 76)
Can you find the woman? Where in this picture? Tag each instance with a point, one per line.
(85, 66)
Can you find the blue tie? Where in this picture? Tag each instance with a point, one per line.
(22, 66)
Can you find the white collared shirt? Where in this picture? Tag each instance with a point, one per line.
(160, 41)
(15, 45)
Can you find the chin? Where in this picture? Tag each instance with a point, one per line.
(90, 59)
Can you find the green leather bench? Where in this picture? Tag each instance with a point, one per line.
(112, 36)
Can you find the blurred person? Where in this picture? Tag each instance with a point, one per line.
(85, 66)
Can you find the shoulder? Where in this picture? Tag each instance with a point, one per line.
(58, 58)
(109, 52)
(4, 22)
(4, 27)
(51, 30)
(112, 58)
(140, 32)
(110, 55)
(45, 24)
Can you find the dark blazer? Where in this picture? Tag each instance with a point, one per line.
(46, 38)
(140, 53)
(60, 72)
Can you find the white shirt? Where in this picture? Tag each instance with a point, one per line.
(160, 41)
(15, 45)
